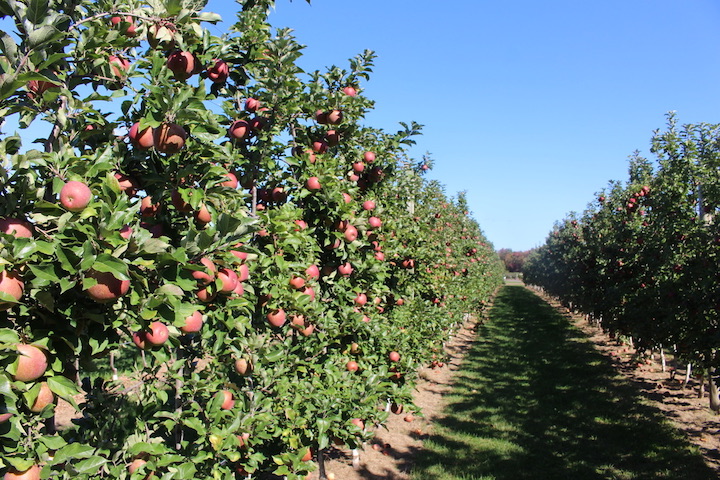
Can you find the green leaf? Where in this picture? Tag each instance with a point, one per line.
(8, 336)
(9, 47)
(90, 465)
(44, 34)
(106, 263)
(71, 451)
(63, 387)
(37, 10)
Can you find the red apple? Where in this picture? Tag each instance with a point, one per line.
(219, 72)
(179, 203)
(130, 30)
(358, 423)
(334, 117)
(332, 137)
(193, 323)
(361, 299)
(313, 271)
(75, 196)
(118, 66)
(368, 205)
(11, 284)
(358, 167)
(349, 91)
(243, 367)
(231, 182)
(45, 397)
(206, 276)
(31, 363)
(374, 222)
(313, 184)
(350, 233)
(252, 105)
(346, 197)
(351, 366)
(203, 215)
(394, 356)
(229, 280)
(239, 129)
(277, 317)
(228, 400)
(169, 138)
(369, 157)
(138, 339)
(126, 231)
(182, 64)
(345, 269)
(148, 208)
(136, 465)
(127, 184)
(243, 273)
(108, 288)
(32, 473)
(320, 146)
(158, 334)
(297, 283)
(16, 227)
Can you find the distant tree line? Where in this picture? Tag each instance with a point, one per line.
(514, 261)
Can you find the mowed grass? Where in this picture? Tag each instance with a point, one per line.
(534, 400)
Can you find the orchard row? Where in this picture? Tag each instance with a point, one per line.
(211, 260)
(643, 258)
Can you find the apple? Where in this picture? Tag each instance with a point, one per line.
(277, 317)
(75, 196)
(193, 323)
(138, 339)
(239, 254)
(108, 288)
(31, 363)
(334, 117)
(119, 66)
(239, 289)
(350, 233)
(332, 137)
(127, 184)
(346, 197)
(345, 269)
(394, 356)
(169, 138)
(131, 29)
(308, 330)
(369, 157)
(258, 123)
(358, 167)
(308, 291)
(408, 418)
(313, 184)
(45, 397)
(148, 208)
(374, 222)
(302, 225)
(158, 334)
(16, 227)
(219, 72)
(136, 464)
(203, 215)
(358, 423)
(351, 366)
(231, 182)
(239, 129)
(368, 205)
(206, 294)
(179, 203)
(229, 280)
(37, 87)
(313, 271)
(349, 91)
(204, 277)
(361, 299)
(11, 284)
(320, 146)
(32, 473)
(252, 105)
(396, 409)
(321, 117)
(228, 400)
(308, 455)
(161, 35)
(243, 273)
(297, 283)
(243, 367)
(182, 64)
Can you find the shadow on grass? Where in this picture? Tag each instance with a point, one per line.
(534, 400)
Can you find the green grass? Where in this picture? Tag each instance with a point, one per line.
(534, 400)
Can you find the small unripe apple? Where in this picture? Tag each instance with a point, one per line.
(75, 196)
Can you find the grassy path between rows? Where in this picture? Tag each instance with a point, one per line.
(534, 400)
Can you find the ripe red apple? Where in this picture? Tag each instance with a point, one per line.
(16, 227)
(350, 233)
(301, 224)
(206, 276)
(239, 129)
(32, 473)
(313, 271)
(229, 280)
(334, 117)
(358, 167)
(31, 363)
(297, 283)
(203, 215)
(345, 269)
(369, 157)
(320, 146)
(182, 64)
(394, 356)
(37, 87)
(231, 182)
(277, 317)
(228, 400)
(313, 184)
(309, 291)
(346, 197)
(136, 464)
(361, 299)
(243, 273)
(119, 66)
(130, 30)
(138, 339)
(108, 288)
(349, 91)
(179, 203)
(127, 184)
(45, 397)
(408, 418)
(158, 334)
(374, 222)
(148, 208)
(169, 138)
(193, 323)
(396, 409)
(368, 205)
(358, 423)
(75, 196)
(351, 366)
(332, 137)
(219, 72)
(252, 105)
(11, 284)
(206, 294)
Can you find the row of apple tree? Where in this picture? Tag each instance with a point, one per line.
(643, 258)
(208, 258)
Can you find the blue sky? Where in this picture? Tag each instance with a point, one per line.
(531, 107)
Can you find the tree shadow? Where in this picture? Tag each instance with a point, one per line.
(535, 400)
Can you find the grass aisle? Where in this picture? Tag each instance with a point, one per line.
(534, 400)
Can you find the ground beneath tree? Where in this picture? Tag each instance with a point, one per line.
(392, 452)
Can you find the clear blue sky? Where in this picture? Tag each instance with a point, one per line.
(529, 106)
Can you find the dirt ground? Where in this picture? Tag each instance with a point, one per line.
(390, 455)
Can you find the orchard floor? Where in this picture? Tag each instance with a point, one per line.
(630, 420)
